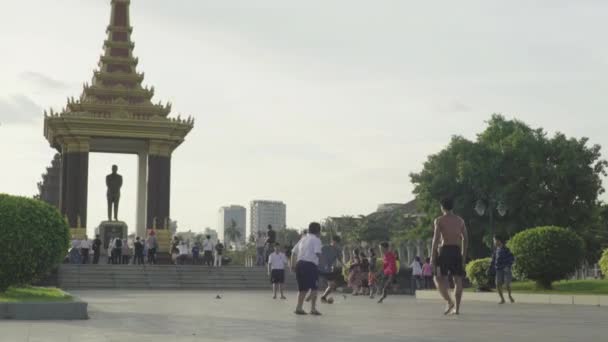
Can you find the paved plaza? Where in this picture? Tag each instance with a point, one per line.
(252, 316)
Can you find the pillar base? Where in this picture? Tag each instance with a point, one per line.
(163, 237)
(78, 233)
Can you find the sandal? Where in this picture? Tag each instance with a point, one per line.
(300, 312)
(315, 313)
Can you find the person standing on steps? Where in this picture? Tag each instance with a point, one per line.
(451, 240)
(152, 243)
(208, 251)
(96, 249)
(271, 239)
(138, 247)
(308, 251)
(219, 254)
(85, 247)
(502, 261)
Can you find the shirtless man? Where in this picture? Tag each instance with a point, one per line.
(451, 230)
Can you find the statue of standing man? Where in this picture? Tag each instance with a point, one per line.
(113, 182)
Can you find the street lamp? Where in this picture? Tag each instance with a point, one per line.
(481, 207)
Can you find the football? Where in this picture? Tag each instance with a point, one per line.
(330, 300)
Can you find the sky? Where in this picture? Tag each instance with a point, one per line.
(325, 105)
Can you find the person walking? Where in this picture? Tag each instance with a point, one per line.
(138, 247)
(451, 240)
(502, 261)
(389, 267)
(96, 249)
(219, 254)
(416, 267)
(329, 269)
(208, 251)
(152, 244)
(307, 252)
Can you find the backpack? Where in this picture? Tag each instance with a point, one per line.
(118, 243)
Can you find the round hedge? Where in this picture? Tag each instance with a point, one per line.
(34, 239)
(477, 272)
(546, 254)
(604, 262)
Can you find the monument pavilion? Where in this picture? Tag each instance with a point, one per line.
(115, 114)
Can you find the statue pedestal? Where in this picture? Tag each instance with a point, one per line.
(109, 230)
(163, 255)
(78, 233)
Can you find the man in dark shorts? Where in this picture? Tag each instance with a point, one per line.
(448, 257)
(308, 251)
(328, 266)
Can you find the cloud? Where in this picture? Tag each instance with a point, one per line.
(42, 81)
(18, 109)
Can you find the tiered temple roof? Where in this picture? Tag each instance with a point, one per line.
(116, 90)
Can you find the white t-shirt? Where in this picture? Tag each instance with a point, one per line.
(183, 249)
(308, 248)
(277, 261)
(416, 268)
(207, 246)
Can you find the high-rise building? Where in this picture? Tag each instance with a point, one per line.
(234, 215)
(264, 213)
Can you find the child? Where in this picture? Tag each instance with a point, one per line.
(276, 270)
(427, 273)
(389, 266)
(354, 273)
(416, 267)
(502, 260)
(371, 277)
(364, 274)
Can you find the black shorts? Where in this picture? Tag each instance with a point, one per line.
(277, 277)
(449, 261)
(307, 274)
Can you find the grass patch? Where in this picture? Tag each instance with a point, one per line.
(34, 294)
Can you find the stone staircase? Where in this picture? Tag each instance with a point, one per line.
(165, 277)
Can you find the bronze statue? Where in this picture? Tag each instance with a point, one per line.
(113, 182)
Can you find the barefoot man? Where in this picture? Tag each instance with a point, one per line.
(451, 230)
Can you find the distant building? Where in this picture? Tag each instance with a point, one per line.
(264, 213)
(233, 215)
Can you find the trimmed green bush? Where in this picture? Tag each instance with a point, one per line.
(546, 254)
(604, 263)
(477, 272)
(34, 238)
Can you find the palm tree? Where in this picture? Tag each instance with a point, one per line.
(232, 233)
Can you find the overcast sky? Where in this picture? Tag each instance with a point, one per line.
(326, 105)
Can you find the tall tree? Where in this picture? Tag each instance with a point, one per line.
(542, 181)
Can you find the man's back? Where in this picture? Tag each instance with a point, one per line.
(451, 227)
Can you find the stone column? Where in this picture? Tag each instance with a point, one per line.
(159, 184)
(410, 251)
(142, 190)
(419, 249)
(429, 247)
(74, 181)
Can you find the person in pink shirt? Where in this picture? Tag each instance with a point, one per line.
(389, 268)
(427, 273)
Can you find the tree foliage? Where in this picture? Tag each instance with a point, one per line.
(546, 254)
(542, 180)
(477, 272)
(34, 239)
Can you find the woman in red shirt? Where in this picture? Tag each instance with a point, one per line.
(389, 267)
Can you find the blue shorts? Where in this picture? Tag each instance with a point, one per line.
(307, 274)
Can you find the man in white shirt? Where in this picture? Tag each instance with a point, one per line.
(183, 252)
(85, 247)
(308, 251)
(276, 270)
(208, 251)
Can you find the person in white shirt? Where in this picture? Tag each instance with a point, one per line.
(183, 252)
(416, 272)
(276, 270)
(85, 247)
(208, 251)
(307, 251)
